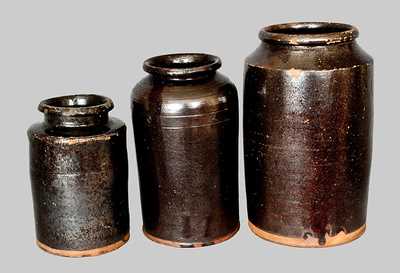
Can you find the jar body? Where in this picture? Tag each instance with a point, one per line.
(80, 188)
(307, 142)
(186, 136)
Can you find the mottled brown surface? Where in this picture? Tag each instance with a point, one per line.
(185, 119)
(79, 178)
(308, 132)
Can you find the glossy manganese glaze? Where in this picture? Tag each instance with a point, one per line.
(308, 134)
(185, 117)
(79, 175)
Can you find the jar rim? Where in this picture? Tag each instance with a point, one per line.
(76, 105)
(309, 33)
(182, 65)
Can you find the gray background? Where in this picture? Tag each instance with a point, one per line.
(51, 48)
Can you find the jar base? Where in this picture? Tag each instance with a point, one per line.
(339, 239)
(194, 244)
(84, 253)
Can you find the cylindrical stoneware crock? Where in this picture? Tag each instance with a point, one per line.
(308, 134)
(185, 118)
(79, 175)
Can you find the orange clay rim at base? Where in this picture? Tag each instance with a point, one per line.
(339, 239)
(84, 253)
(193, 244)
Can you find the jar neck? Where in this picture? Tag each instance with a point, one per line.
(184, 79)
(182, 67)
(76, 111)
(319, 46)
(82, 121)
(309, 34)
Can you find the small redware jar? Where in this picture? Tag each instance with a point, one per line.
(79, 175)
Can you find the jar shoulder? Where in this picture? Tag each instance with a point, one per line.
(184, 98)
(41, 131)
(330, 57)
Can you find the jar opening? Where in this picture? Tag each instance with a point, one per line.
(309, 33)
(75, 105)
(182, 65)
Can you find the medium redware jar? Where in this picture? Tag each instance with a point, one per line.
(79, 177)
(185, 118)
(308, 134)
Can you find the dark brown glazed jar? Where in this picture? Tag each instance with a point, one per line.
(79, 175)
(308, 134)
(185, 118)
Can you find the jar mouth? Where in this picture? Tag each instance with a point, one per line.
(309, 33)
(182, 65)
(76, 105)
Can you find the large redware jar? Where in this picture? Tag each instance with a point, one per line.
(185, 118)
(308, 134)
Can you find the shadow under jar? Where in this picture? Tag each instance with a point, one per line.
(185, 118)
(308, 134)
(79, 175)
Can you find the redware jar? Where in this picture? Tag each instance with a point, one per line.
(79, 175)
(308, 134)
(185, 118)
